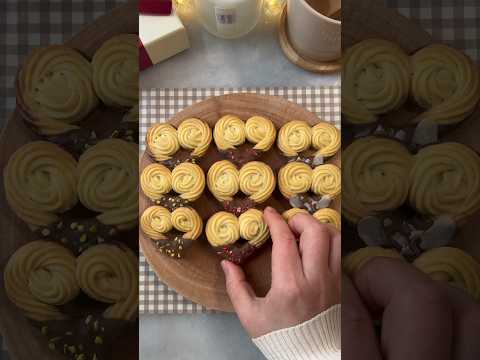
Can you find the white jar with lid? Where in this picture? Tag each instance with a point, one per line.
(229, 19)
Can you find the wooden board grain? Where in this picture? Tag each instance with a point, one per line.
(368, 19)
(198, 276)
(14, 233)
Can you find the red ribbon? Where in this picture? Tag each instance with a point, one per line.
(144, 60)
(151, 7)
(155, 7)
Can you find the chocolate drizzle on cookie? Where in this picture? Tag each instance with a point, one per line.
(174, 246)
(236, 253)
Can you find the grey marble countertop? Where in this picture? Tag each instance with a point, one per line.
(255, 60)
(195, 337)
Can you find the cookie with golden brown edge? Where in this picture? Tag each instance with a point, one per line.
(376, 80)
(55, 89)
(237, 239)
(374, 172)
(255, 180)
(115, 71)
(234, 137)
(452, 266)
(445, 83)
(309, 188)
(354, 261)
(165, 142)
(172, 232)
(444, 180)
(325, 216)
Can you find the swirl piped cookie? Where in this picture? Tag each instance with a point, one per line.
(108, 273)
(39, 277)
(376, 80)
(374, 172)
(325, 216)
(55, 89)
(173, 189)
(237, 239)
(309, 188)
(452, 266)
(446, 83)
(297, 139)
(445, 179)
(255, 179)
(354, 261)
(115, 71)
(109, 182)
(164, 141)
(172, 232)
(230, 133)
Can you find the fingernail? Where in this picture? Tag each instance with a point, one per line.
(269, 209)
(224, 267)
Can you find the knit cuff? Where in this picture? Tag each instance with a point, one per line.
(315, 339)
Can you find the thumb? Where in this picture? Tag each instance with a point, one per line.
(239, 290)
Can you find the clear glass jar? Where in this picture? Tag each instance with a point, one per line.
(229, 19)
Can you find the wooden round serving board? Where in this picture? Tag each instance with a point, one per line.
(369, 19)
(30, 344)
(198, 276)
(311, 65)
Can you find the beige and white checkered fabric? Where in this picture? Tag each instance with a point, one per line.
(158, 105)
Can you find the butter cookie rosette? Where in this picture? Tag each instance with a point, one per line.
(229, 132)
(452, 266)
(329, 216)
(257, 180)
(374, 177)
(326, 139)
(295, 178)
(162, 141)
(223, 180)
(40, 276)
(327, 180)
(172, 232)
(188, 180)
(354, 261)
(261, 132)
(446, 83)
(156, 181)
(55, 89)
(194, 134)
(325, 216)
(109, 273)
(40, 182)
(108, 182)
(115, 71)
(376, 80)
(225, 231)
(294, 137)
(445, 180)
(291, 213)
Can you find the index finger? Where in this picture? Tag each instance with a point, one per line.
(286, 263)
(417, 317)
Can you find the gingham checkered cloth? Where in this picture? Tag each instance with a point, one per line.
(454, 22)
(158, 105)
(27, 24)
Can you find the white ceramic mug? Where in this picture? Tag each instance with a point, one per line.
(312, 34)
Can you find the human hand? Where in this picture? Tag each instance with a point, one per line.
(420, 318)
(306, 272)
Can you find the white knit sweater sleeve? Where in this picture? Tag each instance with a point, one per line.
(315, 339)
